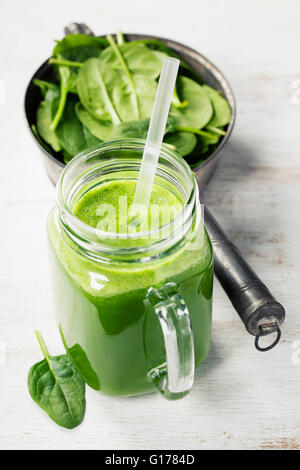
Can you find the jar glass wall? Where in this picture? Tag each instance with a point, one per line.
(110, 287)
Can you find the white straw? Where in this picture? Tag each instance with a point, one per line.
(156, 130)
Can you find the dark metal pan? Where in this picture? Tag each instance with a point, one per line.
(208, 71)
(255, 305)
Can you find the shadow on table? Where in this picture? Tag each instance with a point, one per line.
(241, 198)
(210, 363)
(235, 165)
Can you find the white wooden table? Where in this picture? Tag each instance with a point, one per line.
(242, 398)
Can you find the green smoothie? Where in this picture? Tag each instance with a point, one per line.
(166, 203)
(110, 332)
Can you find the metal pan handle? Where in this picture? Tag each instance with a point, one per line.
(257, 308)
(78, 28)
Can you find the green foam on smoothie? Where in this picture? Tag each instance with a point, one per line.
(125, 276)
(107, 205)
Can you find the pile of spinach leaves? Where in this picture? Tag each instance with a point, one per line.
(105, 90)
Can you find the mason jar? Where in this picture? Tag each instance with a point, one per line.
(133, 309)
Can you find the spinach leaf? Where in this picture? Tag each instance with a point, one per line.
(131, 130)
(203, 149)
(176, 101)
(81, 362)
(56, 386)
(157, 45)
(222, 112)
(139, 59)
(69, 63)
(67, 84)
(137, 129)
(199, 153)
(66, 156)
(199, 110)
(79, 47)
(171, 125)
(205, 140)
(39, 139)
(123, 65)
(184, 142)
(72, 135)
(175, 98)
(96, 84)
(210, 140)
(107, 95)
(142, 87)
(44, 85)
(44, 116)
(74, 48)
(146, 90)
(100, 129)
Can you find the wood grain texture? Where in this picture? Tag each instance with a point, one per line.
(242, 398)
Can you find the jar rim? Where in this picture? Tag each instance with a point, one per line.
(87, 233)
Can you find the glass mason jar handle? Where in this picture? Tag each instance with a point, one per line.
(174, 379)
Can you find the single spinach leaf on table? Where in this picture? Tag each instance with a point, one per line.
(184, 142)
(44, 117)
(80, 360)
(99, 128)
(72, 135)
(222, 112)
(56, 386)
(199, 110)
